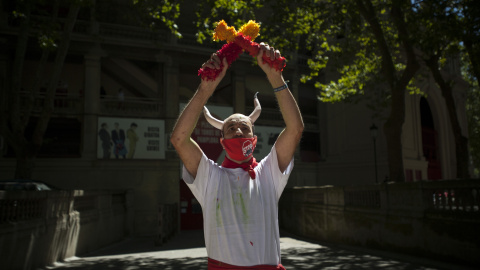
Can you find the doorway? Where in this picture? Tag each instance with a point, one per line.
(430, 141)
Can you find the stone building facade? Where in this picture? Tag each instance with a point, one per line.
(158, 72)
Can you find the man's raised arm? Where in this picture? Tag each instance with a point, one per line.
(288, 140)
(189, 151)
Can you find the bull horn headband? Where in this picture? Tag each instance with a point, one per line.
(219, 124)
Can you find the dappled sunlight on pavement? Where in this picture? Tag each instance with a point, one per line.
(134, 262)
(303, 255)
(187, 251)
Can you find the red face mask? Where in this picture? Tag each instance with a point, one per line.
(240, 149)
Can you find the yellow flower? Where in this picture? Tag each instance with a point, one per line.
(224, 32)
(250, 29)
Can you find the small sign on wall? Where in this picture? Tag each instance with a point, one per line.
(130, 138)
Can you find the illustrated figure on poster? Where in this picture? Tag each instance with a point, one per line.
(240, 198)
(118, 138)
(133, 139)
(106, 140)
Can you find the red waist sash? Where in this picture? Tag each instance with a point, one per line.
(217, 265)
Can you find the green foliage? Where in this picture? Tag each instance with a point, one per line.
(18, 14)
(352, 79)
(348, 40)
(449, 28)
(46, 24)
(163, 13)
(333, 33)
(47, 42)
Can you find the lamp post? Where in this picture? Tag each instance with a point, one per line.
(373, 132)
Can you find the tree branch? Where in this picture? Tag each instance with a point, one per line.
(368, 12)
(14, 100)
(42, 123)
(412, 64)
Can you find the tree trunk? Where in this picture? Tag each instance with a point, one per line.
(473, 55)
(42, 124)
(11, 126)
(28, 150)
(394, 124)
(14, 127)
(40, 74)
(397, 82)
(393, 134)
(461, 142)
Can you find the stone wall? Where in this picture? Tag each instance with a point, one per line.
(151, 182)
(38, 228)
(434, 219)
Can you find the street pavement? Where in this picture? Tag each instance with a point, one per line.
(187, 251)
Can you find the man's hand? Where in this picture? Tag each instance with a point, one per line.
(274, 76)
(271, 53)
(214, 63)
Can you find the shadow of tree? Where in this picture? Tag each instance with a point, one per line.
(332, 258)
(292, 258)
(187, 251)
(134, 262)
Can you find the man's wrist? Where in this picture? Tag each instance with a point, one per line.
(276, 81)
(280, 88)
(206, 87)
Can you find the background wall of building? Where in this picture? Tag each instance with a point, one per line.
(337, 148)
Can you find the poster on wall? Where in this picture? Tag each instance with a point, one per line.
(130, 138)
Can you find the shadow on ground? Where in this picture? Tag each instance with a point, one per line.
(132, 262)
(186, 251)
(331, 258)
(293, 258)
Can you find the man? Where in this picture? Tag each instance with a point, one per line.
(118, 138)
(133, 139)
(106, 140)
(240, 198)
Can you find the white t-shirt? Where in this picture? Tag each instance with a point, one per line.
(240, 215)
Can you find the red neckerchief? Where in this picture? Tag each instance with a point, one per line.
(246, 166)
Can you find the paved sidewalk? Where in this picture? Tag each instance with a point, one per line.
(187, 251)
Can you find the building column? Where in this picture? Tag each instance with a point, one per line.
(171, 99)
(91, 105)
(171, 103)
(415, 165)
(239, 90)
(322, 129)
(4, 85)
(4, 63)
